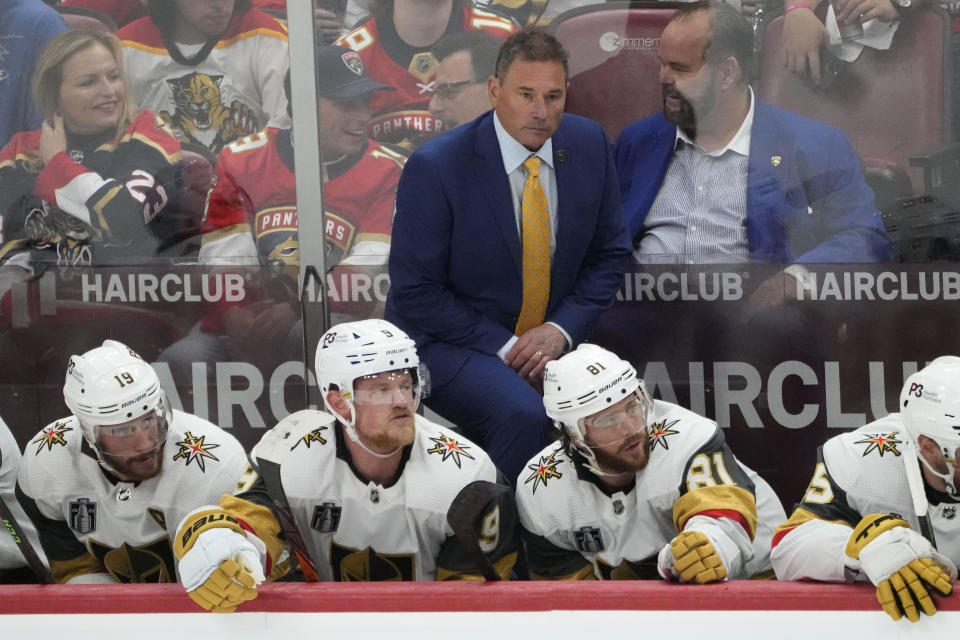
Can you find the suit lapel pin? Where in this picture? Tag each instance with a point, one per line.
(775, 160)
(561, 155)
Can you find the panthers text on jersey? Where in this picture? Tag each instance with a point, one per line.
(97, 528)
(213, 93)
(252, 210)
(857, 474)
(402, 115)
(357, 530)
(575, 527)
(104, 198)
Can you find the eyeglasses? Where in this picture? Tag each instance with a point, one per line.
(448, 90)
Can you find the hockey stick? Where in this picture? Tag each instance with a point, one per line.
(268, 455)
(918, 495)
(26, 549)
(462, 517)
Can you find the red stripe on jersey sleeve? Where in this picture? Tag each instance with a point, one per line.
(59, 172)
(729, 514)
(778, 536)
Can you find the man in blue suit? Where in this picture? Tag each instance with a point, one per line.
(457, 257)
(720, 176)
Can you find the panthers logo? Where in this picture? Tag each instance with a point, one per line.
(285, 253)
(201, 117)
(45, 226)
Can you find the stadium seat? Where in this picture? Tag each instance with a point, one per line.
(894, 107)
(613, 60)
(86, 19)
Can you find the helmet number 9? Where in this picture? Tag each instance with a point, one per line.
(386, 333)
(596, 368)
(123, 379)
(490, 531)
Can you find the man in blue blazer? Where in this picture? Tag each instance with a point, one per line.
(456, 259)
(780, 188)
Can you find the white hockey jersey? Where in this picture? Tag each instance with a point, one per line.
(90, 523)
(10, 556)
(857, 473)
(575, 527)
(364, 531)
(229, 90)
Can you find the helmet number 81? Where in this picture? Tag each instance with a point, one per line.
(596, 368)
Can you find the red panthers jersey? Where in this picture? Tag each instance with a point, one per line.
(252, 211)
(402, 115)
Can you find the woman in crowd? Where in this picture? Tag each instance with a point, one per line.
(92, 184)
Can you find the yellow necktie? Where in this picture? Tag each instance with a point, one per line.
(535, 223)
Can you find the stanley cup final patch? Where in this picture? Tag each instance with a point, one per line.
(326, 517)
(83, 516)
(588, 539)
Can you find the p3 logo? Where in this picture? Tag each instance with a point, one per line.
(915, 390)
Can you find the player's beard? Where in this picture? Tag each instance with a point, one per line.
(398, 432)
(137, 468)
(628, 458)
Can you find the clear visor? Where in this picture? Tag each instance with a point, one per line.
(134, 437)
(399, 387)
(617, 424)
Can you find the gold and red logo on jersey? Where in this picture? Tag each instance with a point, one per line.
(50, 436)
(195, 449)
(658, 432)
(450, 449)
(881, 443)
(544, 470)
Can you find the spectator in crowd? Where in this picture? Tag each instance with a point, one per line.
(466, 60)
(213, 69)
(531, 12)
(721, 176)
(694, 513)
(94, 183)
(106, 487)
(859, 520)
(13, 566)
(526, 13)
(369, 483)
(804, 35)
(25, 28)
(252, 220)
(122, 12)
(329, 16)
(396, 45)
(508, 242)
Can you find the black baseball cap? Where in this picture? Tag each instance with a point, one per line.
(342, 74)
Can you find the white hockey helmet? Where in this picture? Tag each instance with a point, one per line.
(930, 406)
(353, 350)
(113, 392)
(585, 382)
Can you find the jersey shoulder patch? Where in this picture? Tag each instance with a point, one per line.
(544, 469)
(57, 434)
